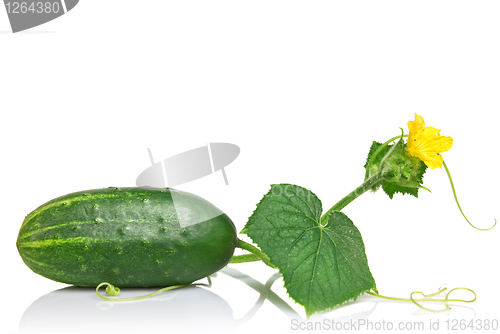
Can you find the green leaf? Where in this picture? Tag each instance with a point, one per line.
(375, 146)
(322, 266)
(402, 173)
(372, 167)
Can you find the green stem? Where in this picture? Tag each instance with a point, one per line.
(255, 251)
(367, 185)
(244, 258)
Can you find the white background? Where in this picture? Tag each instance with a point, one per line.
(302, 88)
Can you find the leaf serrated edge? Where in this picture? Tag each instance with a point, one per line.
(308, 314)
(281, 273)
(391, 195)
(267, 194)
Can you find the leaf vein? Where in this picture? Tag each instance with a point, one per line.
(295, 213)
(314, 267)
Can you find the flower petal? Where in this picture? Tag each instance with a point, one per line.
(429, 133)
(416, 125)
(434, 162)
(430, 141)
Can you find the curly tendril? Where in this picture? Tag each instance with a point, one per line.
(446, 300)
(113, 291)
(458, 204)
(427, 298)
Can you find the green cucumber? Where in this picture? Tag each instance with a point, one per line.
(130, 237)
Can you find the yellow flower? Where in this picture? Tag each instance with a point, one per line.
(425, 143)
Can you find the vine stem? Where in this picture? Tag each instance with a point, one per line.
(257, 254)
(368, 184)
(244, 258)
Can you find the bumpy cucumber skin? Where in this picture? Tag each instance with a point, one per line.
(129, 237)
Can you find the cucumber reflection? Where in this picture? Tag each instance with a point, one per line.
(76, 309)
(188, 310)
